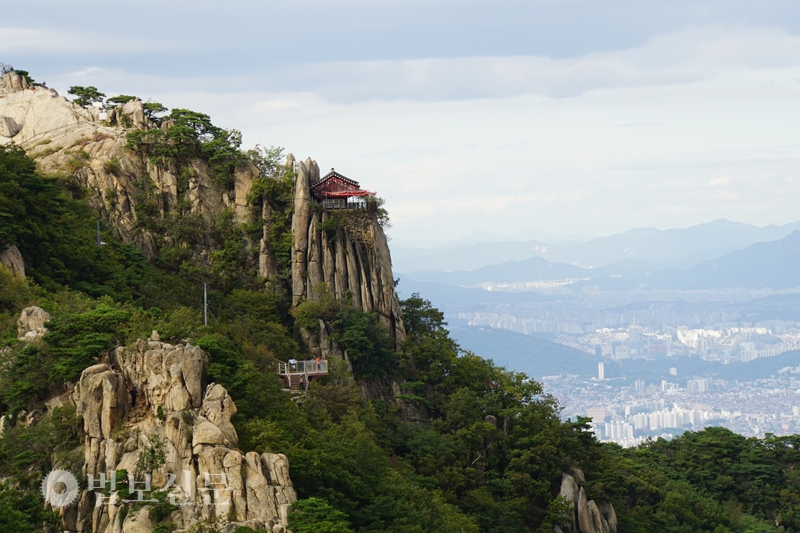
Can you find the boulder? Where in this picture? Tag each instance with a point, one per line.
(134, 110)
(11, 82)
(138, 522)
(207, 433)
(608, 513)
(585, 520)
(101, 398)
(30, 325)
(218, 408)
(570, 491)
(598, 522)
(577, 473)
(12, 260)
(8, 127)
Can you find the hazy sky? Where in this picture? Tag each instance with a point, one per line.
(586, 117)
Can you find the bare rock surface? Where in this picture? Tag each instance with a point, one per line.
(570, 491)
(588, 516)
(8, 127)
(11, 82)
(31, 323)
(123, 185)
(12, 260)
(608, 513)
(208, 477)
(352, 259)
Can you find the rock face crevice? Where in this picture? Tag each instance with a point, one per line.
(12, 260)
(124, 185)
(189, 424)
(588, 516)
(351, 260)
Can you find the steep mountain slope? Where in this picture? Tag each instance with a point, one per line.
(765, 264)
(525, 353)
(406, 433)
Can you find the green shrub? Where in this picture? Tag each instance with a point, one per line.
(112, 166)
(315, 515)
(56, 234)
(76, 341)
(120, 100)
(85, 96)
(152, 457)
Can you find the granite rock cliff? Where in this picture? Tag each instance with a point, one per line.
(88, 147)
(178, 432)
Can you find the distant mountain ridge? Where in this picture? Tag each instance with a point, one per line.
(677, 248)
(764, 264)
(771, 264)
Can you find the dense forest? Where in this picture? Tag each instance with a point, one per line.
(487, 456)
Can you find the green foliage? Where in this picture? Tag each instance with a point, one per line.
(56, 234)
(152, 110)
(559, 512)
(267, 160)
(112, 166)
(152, 457)
(120, 100)
(77, 340)
(25, 74)
(190, 135)
(14, 291)
(366, 339)
(704, 481)
(275, 189)
(85, 96)
(332, 223)
(24, 511)
(315, 515)
(375, 206)
(26, 452)
(452, 443)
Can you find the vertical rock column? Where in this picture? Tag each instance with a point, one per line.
(300, 222)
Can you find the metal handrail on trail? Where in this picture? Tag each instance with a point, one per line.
(310, 366)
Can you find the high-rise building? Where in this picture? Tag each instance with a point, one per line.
(597, 414)
(697, 385)
(601, 371)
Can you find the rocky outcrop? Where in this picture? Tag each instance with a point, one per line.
(178, 432)
(588, 516)
(608, 513)
(136, 197)
(8, 127)
(30, 325)
(125, 187)
(12, 260)
(350, 257)
(11, 82)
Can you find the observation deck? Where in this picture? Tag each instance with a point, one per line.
(294, 373)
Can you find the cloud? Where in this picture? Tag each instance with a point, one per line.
(688, 56)
(59, 42)
(720, 181)
(702, 54)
